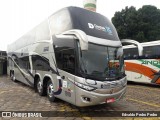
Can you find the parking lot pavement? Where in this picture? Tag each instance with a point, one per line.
(144, 97)
(19, 97)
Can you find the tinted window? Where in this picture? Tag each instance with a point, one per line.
(4, 54)
(151, 51)
(24, 62)
(131, 53)
(40, 63)
(42, 31)
(65, 55)
(60, 22)
(102, 61)
(93, 24)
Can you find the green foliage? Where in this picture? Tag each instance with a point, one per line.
(142, 25)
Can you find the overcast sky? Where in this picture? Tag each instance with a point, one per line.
(19, 16)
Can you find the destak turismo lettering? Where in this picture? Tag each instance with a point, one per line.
(101, 28)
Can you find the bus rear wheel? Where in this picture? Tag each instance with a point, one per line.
(50, 91)
(12, 76)
(39, 87)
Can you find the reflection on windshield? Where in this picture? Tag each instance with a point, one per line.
(102, 61)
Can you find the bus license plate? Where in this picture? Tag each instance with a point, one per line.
(110, 100)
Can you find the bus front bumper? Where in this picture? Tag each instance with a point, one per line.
(88, 98)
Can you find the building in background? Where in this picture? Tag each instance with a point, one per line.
(3, 62)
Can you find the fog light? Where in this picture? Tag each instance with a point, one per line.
(87, 99)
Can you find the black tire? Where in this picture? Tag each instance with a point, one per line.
(50, 91)
(12, 76)
(39, 88)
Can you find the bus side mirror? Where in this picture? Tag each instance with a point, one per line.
(76, 34)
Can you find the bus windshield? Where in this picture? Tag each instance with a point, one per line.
(102, 62)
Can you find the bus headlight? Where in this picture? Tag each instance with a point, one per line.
(85, 87)
(124, 82)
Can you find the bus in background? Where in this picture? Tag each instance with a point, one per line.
(74, 55)
(143, 68)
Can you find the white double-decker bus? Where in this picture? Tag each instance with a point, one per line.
(74, 55)
(144, 68)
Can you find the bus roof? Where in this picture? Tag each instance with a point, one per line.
(152, 43)
(92, 23)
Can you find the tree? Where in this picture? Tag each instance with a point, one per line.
(142, 25)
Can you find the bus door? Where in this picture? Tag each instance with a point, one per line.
(66, 62)
(68, 87)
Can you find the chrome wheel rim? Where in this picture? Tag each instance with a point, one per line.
(11, 75)
(50, 90)
(39, 86)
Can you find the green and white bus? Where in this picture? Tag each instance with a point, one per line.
(143, 68)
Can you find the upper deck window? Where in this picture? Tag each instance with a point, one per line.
(93, 24)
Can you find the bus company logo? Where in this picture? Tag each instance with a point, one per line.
(101, 28)
(90, 25)
(152, 62)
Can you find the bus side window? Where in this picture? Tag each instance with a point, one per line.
(131, 53)
(40, 63)
(68, 61)
(65, 54)
(25, 64)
